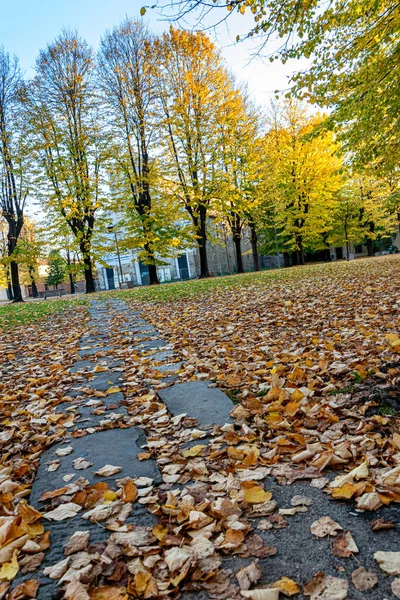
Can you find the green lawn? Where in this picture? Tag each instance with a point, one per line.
(15, 315)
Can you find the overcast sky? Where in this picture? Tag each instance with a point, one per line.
(28, 25)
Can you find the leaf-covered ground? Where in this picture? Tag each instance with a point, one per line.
(310, 359)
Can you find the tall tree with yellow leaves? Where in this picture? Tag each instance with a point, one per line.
(302, 175)
(192, 79)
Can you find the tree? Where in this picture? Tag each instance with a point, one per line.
(27, 255)
(57, 269)
(353, 49)
(127, 80)
(238, 152)
(302, 175)
(192, 80)
(13, 177)
(363, 212)
(70, 139)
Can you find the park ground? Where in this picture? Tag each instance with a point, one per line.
(309, 358)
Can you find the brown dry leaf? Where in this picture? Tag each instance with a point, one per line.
(26, 589)
(129, 492)
(76, 591)
(326, 587)
(379, 524)
(249, 575)
(395, 587)
(344, 545)
(77, 542)
(325, 526)
(364, 580)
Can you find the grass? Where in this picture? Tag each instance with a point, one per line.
(13, 315)
(17, 315)
(199, 287)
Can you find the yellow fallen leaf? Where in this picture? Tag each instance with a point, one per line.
(113, 390)
(286, 586)
(110, 496)
(346, 491)
(9, 569)
(160, 531)
(256, 495)
(193, 451)
(296, 396)
(292, 407)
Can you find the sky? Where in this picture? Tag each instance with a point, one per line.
(27, 26)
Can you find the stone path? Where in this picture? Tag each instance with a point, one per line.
(300, 554)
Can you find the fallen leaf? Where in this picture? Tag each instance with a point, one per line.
(62, 512)
(261, 594)
(256, 495)
(326, 587)
(249, 575)
(388, 562)
(325, 526)
(286, 586)
(81, 463)
(77, 542)
(364, 580)
(344, 545)
(76, 591)
(64, 451)
(108, 470)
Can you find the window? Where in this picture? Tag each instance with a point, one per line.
(358, 249)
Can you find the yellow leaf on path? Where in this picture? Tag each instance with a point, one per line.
(110, 496)
(291, 408)
(286, 586)
(346, 491)
(256, 495)
(141, 579)
(9, 569)
(113, 390)
(296, 396)
(392, 338)
(160, 531)
(193, 451)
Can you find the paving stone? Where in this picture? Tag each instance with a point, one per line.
(81, 365)
(96, 350)
(115, 446)
(151, 344)
(168, 368)
(161, 356)
(197, 400)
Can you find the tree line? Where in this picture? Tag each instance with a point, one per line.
(157, 130)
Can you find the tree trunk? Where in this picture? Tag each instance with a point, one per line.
(237, 240)
(286, 259)
(71, 283)
(370, 246)
(35, 293)
(9, 286)
(254, 249)
(202, 241)
(17, 294)
(236, 227)
(88, 270)
(153, 276)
